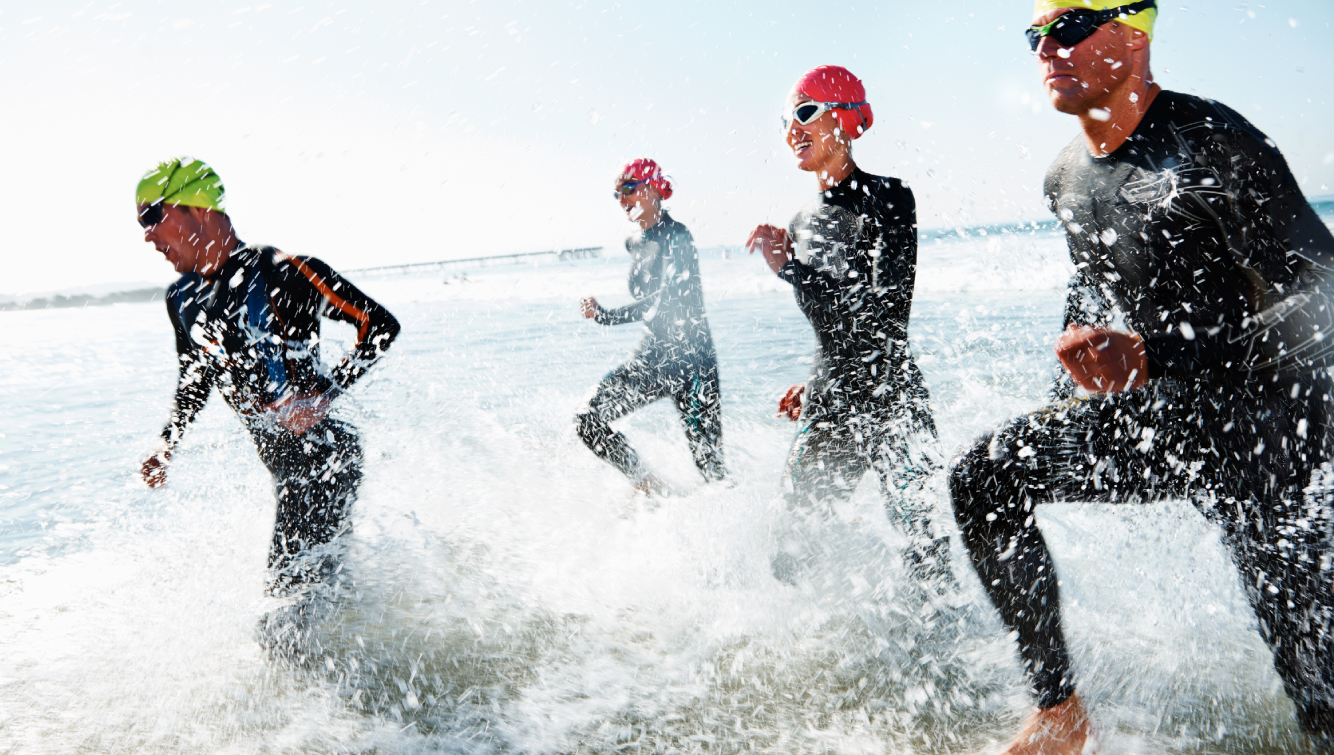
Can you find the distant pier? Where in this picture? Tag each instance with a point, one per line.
(562, 255)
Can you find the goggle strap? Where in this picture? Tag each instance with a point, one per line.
(1121, 11)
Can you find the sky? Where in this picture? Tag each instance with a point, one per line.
(374, 133)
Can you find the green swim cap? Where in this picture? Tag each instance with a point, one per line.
(1143, 20)
(182, 181)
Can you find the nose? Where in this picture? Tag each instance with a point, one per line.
(1047, 47)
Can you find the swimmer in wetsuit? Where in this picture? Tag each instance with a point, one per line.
(851, 257)
(247, 322)
(1183, 219)
(676, 359)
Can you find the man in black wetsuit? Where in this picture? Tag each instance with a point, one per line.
(676, 358)
(1184, 220)
(247, 322)
(851, 257)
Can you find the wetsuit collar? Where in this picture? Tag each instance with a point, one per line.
(857, 175)
(663, 220)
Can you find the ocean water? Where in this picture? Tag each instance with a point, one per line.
(510, 594)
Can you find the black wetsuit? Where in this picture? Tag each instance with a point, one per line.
(865, 406)
(1195, 232)
(676, 358)
(253, 332)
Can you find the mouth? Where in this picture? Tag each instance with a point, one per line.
(801, 146)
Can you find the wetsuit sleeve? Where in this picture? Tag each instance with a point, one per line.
(833, 265)
(1086, 304)
(341, 301)
(894, 263)
(194, 381)
(1275, 235)
(636, 311)
(629, 313)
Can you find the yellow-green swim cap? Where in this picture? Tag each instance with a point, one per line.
(182, 181)
(1142, 20)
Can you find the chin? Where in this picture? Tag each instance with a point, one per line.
(1070, 105)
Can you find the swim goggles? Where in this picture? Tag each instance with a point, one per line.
(809, 111)
(151, 215)
(1077, 25)
(628, 188)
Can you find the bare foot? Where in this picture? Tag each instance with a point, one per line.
(1062, 730)
(651, 486)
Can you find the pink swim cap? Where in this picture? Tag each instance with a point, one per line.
(647, 171)
(837, 84)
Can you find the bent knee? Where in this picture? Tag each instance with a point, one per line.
(974, 481)
(589, 426)
(972, 463)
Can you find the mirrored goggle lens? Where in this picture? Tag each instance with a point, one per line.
(627, 188)
(1069, 30)
(151, 215)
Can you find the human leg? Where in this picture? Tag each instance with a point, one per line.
(1121, 448)
(625, 389)
(699, 404)
(1278, 535)
(316, 476)
(906, 461)
(823, 467)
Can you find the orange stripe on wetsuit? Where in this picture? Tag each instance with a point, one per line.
(342, 304)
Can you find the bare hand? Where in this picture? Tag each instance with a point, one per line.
(1103, 361)
(773, 243)
(297, 414)
(154, 468)
(589, 307)
(790, 404)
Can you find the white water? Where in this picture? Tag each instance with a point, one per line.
(511, 595)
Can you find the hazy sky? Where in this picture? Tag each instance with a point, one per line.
(379, 132)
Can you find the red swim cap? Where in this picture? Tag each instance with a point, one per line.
(837, 84)
(647, 171)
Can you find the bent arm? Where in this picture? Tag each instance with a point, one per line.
(194, 381)
(376, 327)
(639, 309)
(629, 313)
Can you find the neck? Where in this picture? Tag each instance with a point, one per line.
(649, 219)
(834, 174)
(218, 250)
(1119, 114)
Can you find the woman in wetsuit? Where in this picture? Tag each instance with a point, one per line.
(676, 358)
(851, 257)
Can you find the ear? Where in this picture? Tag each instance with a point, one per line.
(1137, 40)
(200, 214)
